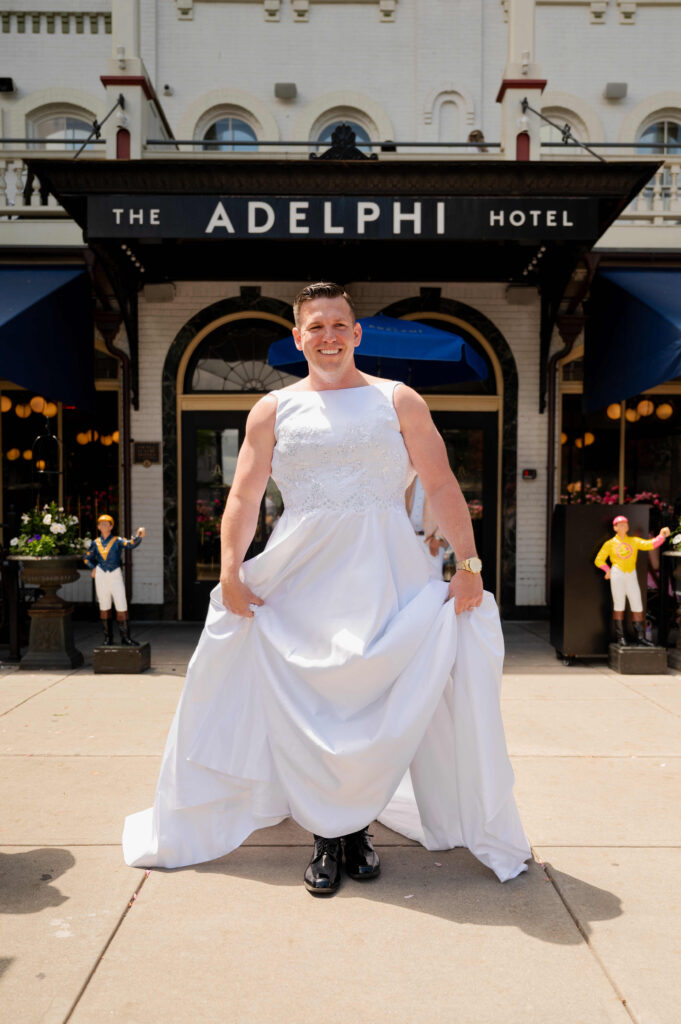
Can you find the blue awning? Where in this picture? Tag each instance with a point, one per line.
(633, 334)
(47, 332)
(403, 350)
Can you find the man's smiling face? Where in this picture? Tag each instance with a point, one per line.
(327, 336)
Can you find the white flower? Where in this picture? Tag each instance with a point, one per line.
(47, 519)
(61, 508)
(14, 541)
(73, 520)
(24, 517)
(676, 539)
(87, 542)
(54, 528)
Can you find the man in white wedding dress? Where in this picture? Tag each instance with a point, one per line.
(336, 681)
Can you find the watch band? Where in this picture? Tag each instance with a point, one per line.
(472, 564)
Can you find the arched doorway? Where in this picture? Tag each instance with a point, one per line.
(478, 422)
(217, 370)
(222, 373)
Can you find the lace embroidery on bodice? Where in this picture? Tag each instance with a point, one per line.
(339, 451)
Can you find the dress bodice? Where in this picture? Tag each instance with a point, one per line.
(339, 451)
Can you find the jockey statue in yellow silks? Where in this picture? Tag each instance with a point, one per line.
(622, 550)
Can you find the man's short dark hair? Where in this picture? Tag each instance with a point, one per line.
(321, 290)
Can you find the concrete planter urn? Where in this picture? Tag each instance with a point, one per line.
(50, 644)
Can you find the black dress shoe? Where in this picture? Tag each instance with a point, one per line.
(322, 874)
(361, 860)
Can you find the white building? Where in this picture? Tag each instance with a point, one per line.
(204, 215)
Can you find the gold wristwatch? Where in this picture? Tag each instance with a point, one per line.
(473, 565)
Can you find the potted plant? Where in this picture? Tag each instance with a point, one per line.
(50, 550)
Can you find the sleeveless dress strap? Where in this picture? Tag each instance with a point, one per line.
(387, 388)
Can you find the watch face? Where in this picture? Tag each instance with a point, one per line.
(474, 565)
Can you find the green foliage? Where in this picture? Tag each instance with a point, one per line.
(49, 531)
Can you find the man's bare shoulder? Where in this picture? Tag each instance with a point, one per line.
(409, 405)
(262, 416)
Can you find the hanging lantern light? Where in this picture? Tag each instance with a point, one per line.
(95, 435)
(37, 404)
(5, 403)
(115, 436)
(614, 411)
(664, 411)
(28, 454)
(589, 438)
(563, 438)
(82, 438)
(632, 415)
(40, 465)
(578, 442)
(106, 440)
(50, 410)
(13, 454)
(645, 407)
(22, 411)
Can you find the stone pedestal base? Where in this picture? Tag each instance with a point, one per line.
(121, 661)
(674, 658)
(50, 643)
(638, 661)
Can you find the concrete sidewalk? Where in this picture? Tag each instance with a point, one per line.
(591, 934)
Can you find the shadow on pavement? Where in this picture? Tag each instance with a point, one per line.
(26, 879)
(451, 885)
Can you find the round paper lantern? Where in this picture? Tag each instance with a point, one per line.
(40, 465)
(82, 438)
(22, 411)
(589, 438)
(5, 403)
(614, 411)
(563, 438)
(578, 442)
(664, 411)
(13, 454)
(28, 454)
(37, 404)
(645, 407)
(50, 410)
(114, 437)
(632, 415)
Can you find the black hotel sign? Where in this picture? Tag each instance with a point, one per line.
(342, 217)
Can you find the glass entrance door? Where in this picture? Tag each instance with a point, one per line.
(210, 445)
(471, 439)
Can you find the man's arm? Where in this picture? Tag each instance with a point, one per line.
(429, 458)
(240, 517)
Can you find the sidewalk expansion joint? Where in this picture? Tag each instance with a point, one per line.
(582, 931)
(36, 694)
(101, 956)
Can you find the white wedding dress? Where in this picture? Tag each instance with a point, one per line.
(355, 692)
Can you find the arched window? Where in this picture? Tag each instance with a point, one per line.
(65, 125)
(233, 357)
(665, 137)
(232, 134)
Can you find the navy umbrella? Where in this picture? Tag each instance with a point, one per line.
(404, 350)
